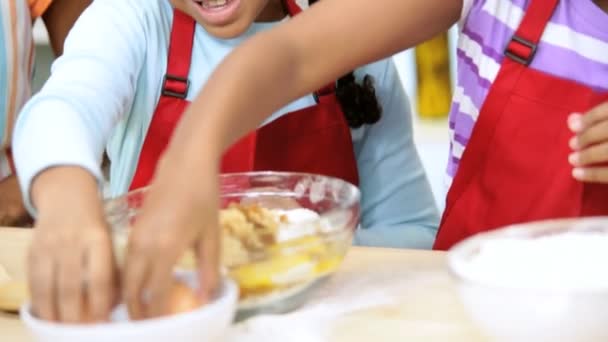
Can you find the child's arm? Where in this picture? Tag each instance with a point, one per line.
(12, 210)
(91, 87)
(314, 48)
(398, 208)
(59, 19)
(58, 143)
(262, 75)
(14, 90)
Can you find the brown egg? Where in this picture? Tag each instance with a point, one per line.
(182, 299)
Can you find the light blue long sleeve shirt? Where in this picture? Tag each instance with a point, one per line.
(103, 91)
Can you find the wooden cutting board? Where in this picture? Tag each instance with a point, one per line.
(4, 276)
(13, 248)
(378, 295)
(425, 313)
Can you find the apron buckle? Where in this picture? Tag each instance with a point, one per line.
(327, 90)
(521, 50)
(175, 86)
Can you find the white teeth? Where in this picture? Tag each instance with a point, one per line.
(214, 3)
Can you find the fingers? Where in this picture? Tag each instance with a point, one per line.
(71, 273)
(578, 122)
(149, 269)
(134, 277)
(590, 136)
(70, 237)
(591, 155)
(100, 273)
(70, 285)
(591, 175)
(590, 144)
(158, 286)
(149, 272)
(174, 216)
(209, 252)
(148, 276)
(41, 272)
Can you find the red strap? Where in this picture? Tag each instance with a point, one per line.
(294, 9)
(180, 54)
(522, 46)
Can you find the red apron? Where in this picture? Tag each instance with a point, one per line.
(313, 140)
(515, 167)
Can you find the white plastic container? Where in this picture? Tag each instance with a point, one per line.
(512, 296)
(209, 323)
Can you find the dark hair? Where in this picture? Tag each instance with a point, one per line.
(358, 100)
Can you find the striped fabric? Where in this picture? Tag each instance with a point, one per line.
(16, 64)
(574, 46)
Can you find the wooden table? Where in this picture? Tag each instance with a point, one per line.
(385, 295)
(13, 249)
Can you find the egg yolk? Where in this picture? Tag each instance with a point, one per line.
(182, 299)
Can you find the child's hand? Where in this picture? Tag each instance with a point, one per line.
(71, 270)
(12, 210)
(178, 213)
(590, 145)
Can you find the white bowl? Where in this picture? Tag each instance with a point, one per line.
(512, 311)
(209, 323)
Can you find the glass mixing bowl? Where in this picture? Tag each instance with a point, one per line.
(277, 277)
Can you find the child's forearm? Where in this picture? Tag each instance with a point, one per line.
(67, 190)
(59, 19)
(278, 66)
(42, 142)
(12, 211)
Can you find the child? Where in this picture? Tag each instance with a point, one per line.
(109, 81)
(521, 149)
(16, 64)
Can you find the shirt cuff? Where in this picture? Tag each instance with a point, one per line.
(51, 133)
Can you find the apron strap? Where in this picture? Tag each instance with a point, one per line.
(176, 82)
(294, 9)
(524, 42)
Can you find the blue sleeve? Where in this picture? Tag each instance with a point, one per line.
(398, 209)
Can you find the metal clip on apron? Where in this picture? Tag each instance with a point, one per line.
(515, 167)
(315, 139)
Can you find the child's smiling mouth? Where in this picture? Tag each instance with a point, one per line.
(217, 12)
(213, 4)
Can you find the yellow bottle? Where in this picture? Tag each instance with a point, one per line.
(433, 71)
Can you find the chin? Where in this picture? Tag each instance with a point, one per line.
(227, 31)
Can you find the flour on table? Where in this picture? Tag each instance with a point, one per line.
(565, 261)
